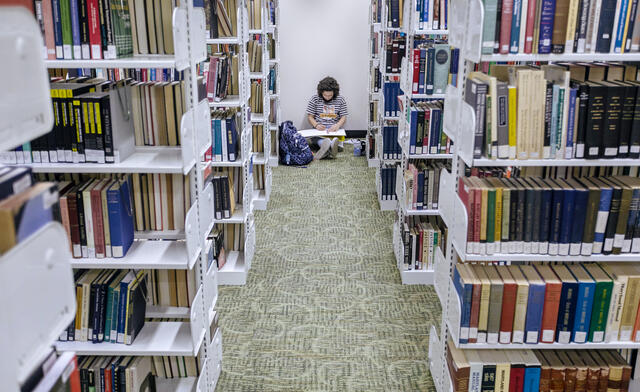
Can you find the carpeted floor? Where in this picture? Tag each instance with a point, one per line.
(323, 308)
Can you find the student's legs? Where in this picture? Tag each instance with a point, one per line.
(323, 146)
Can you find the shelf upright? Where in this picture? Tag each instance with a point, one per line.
(373, 124)
(466, 22)
(274, 32)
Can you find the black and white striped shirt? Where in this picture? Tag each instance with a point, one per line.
(327, 113)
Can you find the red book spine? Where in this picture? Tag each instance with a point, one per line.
(425, 139)
(516, 379)
(508, 311)
(416, 70)
(475, 313)
(466, 196)
(98, 224)
(107, 379)
(531, 20)
(95, 39)
(505, 25)
(477, 212)
(74, 226)
(49, 41)
(550, 311)
(74, 377)
(635, 336)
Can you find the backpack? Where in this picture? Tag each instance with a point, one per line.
(294, 149)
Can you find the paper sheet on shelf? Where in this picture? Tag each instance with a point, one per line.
(315, 132)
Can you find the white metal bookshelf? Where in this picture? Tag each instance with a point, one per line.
(466, 23)
(273, 30)
(152, 250)
(373, 125)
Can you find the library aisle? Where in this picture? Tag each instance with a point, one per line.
(323, 308)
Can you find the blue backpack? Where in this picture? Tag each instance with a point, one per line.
(294, 149)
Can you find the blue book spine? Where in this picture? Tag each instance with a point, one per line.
(579, 215)
(414, 131)
(532, 379)
(566, 311)
(631, 222)
(583, 312)
(420, 198)
(567, 221)
(385, 96)
(384, 143)
(75, 29)
(429, 65)
(219, 140)
(425, 11)
(464, 294)
(233, 143)
(601, 221)
(423, 68)
(533, 320)
(115, 309)
(622, 21)
(571, 126)
(436, 129)
(396, 145)
(554, 120)
(515, 27)
(126, 215)
(545, 219)
(122, 311)
(556, 220)
(433, 142)
(57, 28)
(605, 27)
(547, 14)
(115, 226)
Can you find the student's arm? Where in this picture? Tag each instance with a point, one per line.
(338, 125)
(314, 123)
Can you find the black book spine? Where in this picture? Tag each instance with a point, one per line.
(107, 131)
(61, 130)
(520, 215)
(407, 250)
(595, 122)
(488, 378)
(626, 122)
(226, 203)
(611, 129)
(496, 41)
(548, 106)
(529, 213)
(218, 197)
(388, 60)
(537, 218)
(84, 28)
(98, 108)
(581, 26)
(122, 378)
(102, 308)
(634, 138)
(94, 312)
(583, 110)
(605, 27)
(106, 28)
(612, 221)
(513, 213)
(84, 380)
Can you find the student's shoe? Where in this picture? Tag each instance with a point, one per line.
(333, 152)
(341, 146)
(322, 152)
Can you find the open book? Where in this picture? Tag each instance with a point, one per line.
(315, 132)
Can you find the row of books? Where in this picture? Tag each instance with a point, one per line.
(176, 366)
(176, 288)
(221, 76)
(373, 112)
(85, 29)
(254, 8)
(376, 79)
(160, 201)
(157, 109)
(225, 198)
(232, 237)
(221, 18)
(395, 13)
(554, 112)
(256, 98)
(534, 215)
(552, 171)
(117, 373)
(376, 10)
(272, 6)
(388, 182)
(395, 47)
(254, 53)
(376, 36)
(390, 147)
(258, 137)
(422, 183)
(426, 133)
(421, 237)
(561, 303)
(391, 91)
(111, 306)
(433, 67)
(538, 370)
(547, 26)
(259, 177)
(432, 14)
(224, 136)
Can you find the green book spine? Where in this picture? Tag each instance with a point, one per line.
(489, 28)
(65, 20)
(108, 314)
(491, 217)
(601, 299)
(121, 22)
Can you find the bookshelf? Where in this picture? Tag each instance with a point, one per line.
(375, 49)
(273, 31)
(32, 322)
(466, 26)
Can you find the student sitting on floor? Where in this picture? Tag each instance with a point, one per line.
(327, 110)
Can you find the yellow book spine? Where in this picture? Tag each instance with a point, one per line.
(626, 27)
(503, 372)
(483, 318)
(519, 317)
(630, 309)
(513, 109)
(498, 222)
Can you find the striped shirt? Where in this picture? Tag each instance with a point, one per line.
(327, 113)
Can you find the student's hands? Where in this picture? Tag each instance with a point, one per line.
(320, 127)
(334, 128)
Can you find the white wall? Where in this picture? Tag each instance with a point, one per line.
(321, 38)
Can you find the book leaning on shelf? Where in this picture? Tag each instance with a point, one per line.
(566, 26)
(538, 370)
(534, 215)
(94, 30)
(254, 8)
(221, 18)
(221, 76)
(421, 236)
(543, 303)
(560, 111)
(256, 98)
(254, 53)
(225, 138)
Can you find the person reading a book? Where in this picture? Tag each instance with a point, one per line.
(327, 111)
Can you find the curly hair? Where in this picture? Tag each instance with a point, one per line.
(329, 84)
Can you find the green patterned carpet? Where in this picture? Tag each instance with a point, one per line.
(323, 308)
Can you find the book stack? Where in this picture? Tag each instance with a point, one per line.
(85, 29)
(422, 182)
(396, 50)
(254, 53)
(272, 81)
(533, 215)
(391, 91)
(543, 27)
(111, 306)
(228, 190)
(221, 18)
(221, 75)
(224, 136)
(426, 130)
(157, 109)
(256, 98)
(395, 9)
(176, 366)
(258, 137)
(421, 236)
(388, 182)
(538, 370)
(254, 7)
(259, 177)
(556, 111)
(118, 373)
(390, 147)
(572, 303)
(434, 67)
(176, 288)
(432, 14)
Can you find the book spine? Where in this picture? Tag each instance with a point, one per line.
(601, 301)
(547, 14)
(631, 26)
(57, 29)
(611, 128)
(566, 312)
(550, 312)
(75, 28)
(559, 32)
(507, 312)
(605, 26)
(95, 39)
(98, 224)
(535, 305)
(65, 19)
